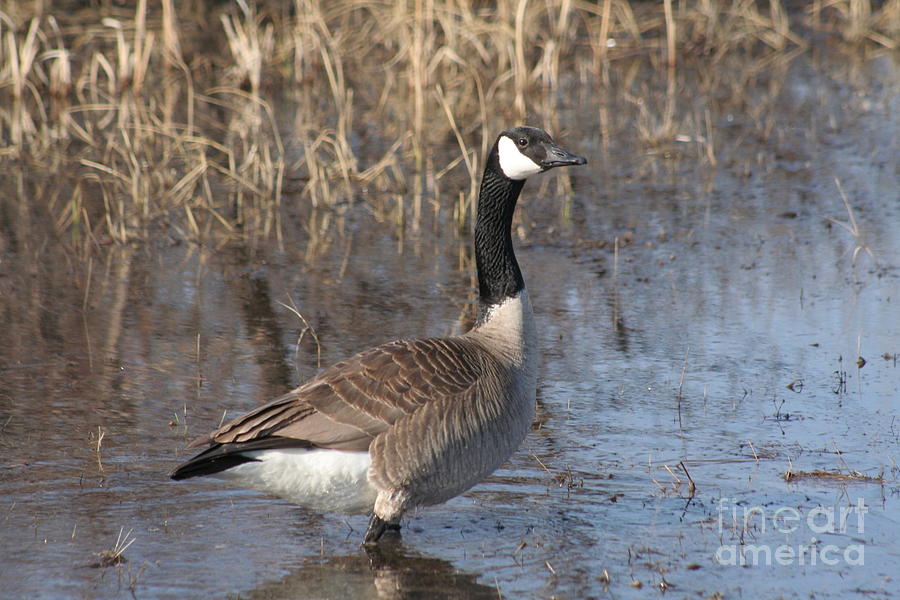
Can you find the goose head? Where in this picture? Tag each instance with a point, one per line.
(525, 151)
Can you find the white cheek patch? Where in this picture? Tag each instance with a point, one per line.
(514, 164)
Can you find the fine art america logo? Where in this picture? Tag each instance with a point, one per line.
(755, 521)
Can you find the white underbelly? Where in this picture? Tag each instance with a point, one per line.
(325, 480)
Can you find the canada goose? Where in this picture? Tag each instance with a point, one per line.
(411, 422)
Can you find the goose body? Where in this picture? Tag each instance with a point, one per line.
(411, 422)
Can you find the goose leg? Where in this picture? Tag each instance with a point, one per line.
(377, 527)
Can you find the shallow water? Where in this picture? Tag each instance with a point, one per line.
(697, 325)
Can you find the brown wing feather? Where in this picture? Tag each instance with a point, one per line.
(350, 403)
(451, 443)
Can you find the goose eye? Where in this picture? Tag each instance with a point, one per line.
(523, 142)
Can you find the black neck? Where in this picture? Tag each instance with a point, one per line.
(498, 272)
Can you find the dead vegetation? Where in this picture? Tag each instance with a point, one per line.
(194, 120)
(832, 476)
(115, 556)
(680, 487)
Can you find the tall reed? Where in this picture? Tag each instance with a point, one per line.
(196, 119)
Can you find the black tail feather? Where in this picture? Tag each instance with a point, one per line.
(221, 457)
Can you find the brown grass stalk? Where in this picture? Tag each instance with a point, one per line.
(203, 132)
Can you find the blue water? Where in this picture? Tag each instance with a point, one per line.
(677, 301)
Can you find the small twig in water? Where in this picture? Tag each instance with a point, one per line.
(199, 367)
(681, 383)
(752, 449)
(543, 466)
(860, 363)
(307, 328)
(840, 378)
(100, 435)
(672, 473)
(692, 487)
(109, 558)
(852, 227)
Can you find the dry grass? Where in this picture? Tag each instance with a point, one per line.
(115, 556)
(167, 118)
(833, 476)
(852, 227)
